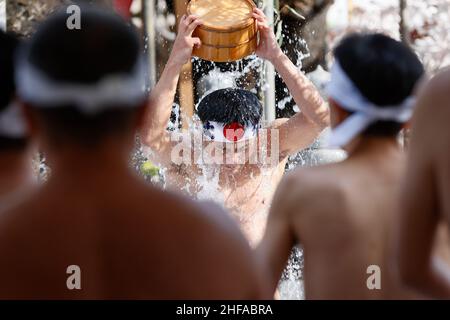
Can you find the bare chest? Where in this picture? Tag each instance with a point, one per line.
(244, 191)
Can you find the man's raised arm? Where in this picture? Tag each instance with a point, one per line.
(153, 132)
(301, 130)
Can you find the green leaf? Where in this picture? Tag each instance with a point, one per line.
(149, 169)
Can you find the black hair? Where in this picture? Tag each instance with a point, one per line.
(8, 47)
(385, 71)
(104, 45)
(231, 105)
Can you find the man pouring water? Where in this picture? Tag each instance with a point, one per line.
(229, 124)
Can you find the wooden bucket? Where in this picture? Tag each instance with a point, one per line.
(229, 31)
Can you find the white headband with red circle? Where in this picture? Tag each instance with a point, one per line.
(229, 133)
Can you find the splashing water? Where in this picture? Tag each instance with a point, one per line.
(216, 76)
(209, 184)
(291, 285)
(248, 74)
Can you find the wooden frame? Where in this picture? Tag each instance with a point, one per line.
(185, 85)
(226, 43)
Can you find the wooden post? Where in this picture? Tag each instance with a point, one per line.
(403, 28)
(185, 85)
(350, 10)
(269, 93)
(404, 37)
(149, 16)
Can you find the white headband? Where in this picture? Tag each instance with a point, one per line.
(233, 132)
(344, 92)
(12, 124)
(118, 90)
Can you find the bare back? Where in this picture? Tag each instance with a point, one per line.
(129, 240)
(347, 226)
(343, 215)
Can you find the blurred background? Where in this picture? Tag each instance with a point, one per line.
(307, 30)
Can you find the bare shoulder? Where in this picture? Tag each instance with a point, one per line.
(229, 253)
(431, 117)
(221, 232)
(326, 178)
(198, 218)
(311, 189)
(206, 214)
(441, 81)
(208, 236)
(12, 214)
(213, 219)
(434, 94)
(215, 214)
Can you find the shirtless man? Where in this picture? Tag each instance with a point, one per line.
(245, 187)
(425, 196)
(343, 214)
(84, 96)
(16, 176)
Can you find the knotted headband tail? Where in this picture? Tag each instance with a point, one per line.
(234, 132)
(342, 90)
(115, 90)
(12, 124)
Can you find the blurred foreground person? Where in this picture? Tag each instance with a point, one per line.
(16, 177)
(343, 215)
(425, 200)
(96, 230)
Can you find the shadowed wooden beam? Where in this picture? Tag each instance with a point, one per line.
(148, 18)
(404, 37)
(185, 85)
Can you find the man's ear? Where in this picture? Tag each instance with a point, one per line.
(141, 115)
(30, 118)
(338, 114)
(407, 125)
